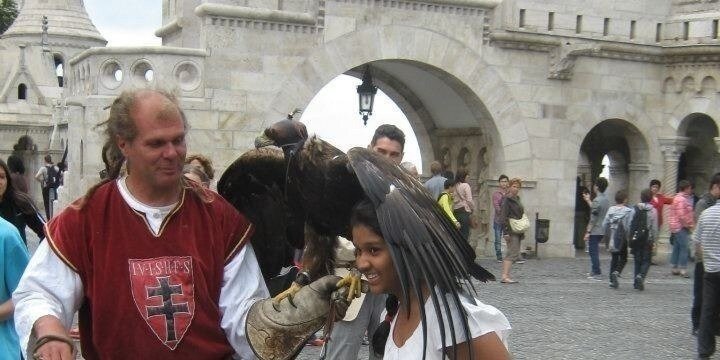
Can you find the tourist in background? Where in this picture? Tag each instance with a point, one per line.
(617, 224)
(497, 198)
(411, 169)
(681, 221)
(204, 163)
(582, 215)
(706, 201)
(49, 177)
(659, 200)
(708, 238)
(445, 201)
(17, 207)
(436, 183)
(463, 204)
(197, 175)
(643, 236)
(511, 208)
(594, 234)
(17, 173)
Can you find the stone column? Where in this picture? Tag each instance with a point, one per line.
(618, 180)
(716, 166)
(672, 147)
(638, 180)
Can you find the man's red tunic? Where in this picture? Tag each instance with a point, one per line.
(150, 296)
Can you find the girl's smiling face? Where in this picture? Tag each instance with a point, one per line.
(373, 259)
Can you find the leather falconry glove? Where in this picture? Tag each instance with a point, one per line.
(280, 331)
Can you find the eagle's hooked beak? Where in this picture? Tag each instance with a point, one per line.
(263, 141)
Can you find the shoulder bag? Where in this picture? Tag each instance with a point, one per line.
(519, 226)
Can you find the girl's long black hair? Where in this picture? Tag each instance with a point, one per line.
(364, 214)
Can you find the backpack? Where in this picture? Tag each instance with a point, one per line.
(52, 177)
(618, 236)
(639, 228)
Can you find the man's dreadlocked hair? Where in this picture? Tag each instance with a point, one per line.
(120, 124)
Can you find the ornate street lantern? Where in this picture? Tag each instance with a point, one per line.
(366, 95)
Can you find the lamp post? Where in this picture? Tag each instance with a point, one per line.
(366, 95)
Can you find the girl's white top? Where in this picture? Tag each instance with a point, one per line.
(482, 319)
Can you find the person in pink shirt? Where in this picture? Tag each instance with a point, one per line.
(463, 204)
(681, 222)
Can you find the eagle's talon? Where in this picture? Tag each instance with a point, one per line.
(354, 284)
(290, 300)
(287, 294)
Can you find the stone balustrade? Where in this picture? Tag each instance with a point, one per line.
(108, 71)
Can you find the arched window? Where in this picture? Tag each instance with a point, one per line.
(22, 92)
(59, 72)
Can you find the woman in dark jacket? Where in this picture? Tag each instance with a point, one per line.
(511, 208)
(17, 207)
(17, 173)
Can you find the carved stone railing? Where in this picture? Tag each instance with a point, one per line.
(108, 71)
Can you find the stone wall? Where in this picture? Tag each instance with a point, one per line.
(527, 88)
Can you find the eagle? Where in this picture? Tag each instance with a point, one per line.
(299, 191)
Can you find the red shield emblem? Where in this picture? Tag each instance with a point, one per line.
(163, 291)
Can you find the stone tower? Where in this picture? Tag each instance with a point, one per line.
(33, 61)
(68, 22)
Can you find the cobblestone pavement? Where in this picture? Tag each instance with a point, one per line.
(556, 313)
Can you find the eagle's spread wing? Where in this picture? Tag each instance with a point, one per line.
(424, 244)
(256, 185)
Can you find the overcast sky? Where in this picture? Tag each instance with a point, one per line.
(332, 114)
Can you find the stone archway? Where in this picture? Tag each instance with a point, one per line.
(626, 148)
(456, 104)
(700, 158)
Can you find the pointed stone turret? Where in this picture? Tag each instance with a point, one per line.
(67, 22)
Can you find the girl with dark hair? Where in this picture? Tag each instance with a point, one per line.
(17, 207)
(463, 204)
(427, 333)
(17, 173)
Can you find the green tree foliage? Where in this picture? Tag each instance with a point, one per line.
(8, 13)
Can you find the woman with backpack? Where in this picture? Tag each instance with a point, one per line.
(643, 233)
(617, 224)
(48, 176)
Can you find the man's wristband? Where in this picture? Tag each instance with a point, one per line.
(48, 338)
